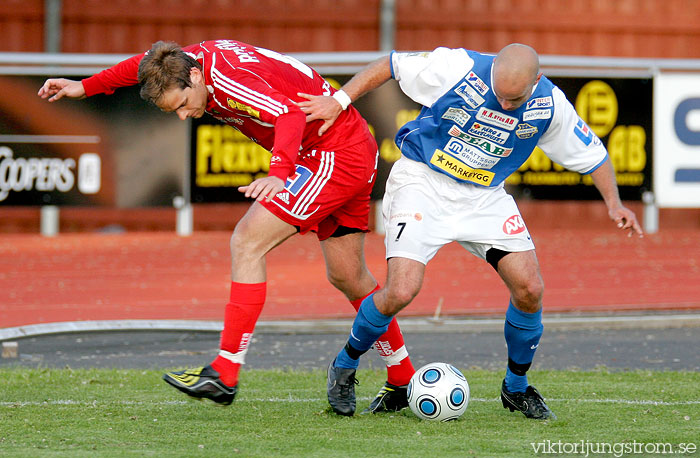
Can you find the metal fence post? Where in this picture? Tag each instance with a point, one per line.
(651, 213)
(387, 25)
(52, 25)
(183, 219)
(49, 221)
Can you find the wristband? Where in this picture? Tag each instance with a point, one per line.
(342, 98)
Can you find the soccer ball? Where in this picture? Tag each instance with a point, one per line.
(438, 391)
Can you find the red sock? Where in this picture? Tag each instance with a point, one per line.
(242, 313)
(392, 349)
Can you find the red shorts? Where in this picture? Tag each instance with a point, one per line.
(329, 189)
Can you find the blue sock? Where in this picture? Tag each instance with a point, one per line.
(368, 326)
(344, 360)
(522, 331)
(516, 383)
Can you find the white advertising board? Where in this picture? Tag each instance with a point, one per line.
(677, 140)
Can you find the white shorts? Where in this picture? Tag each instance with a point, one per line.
(425, 210)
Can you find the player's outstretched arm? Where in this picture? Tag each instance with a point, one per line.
(329, 108)
(604, 180)
(57, 88)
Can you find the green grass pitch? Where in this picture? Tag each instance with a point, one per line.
(64, 412)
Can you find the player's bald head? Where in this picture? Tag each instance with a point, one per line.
(516, 70)
(517, 61)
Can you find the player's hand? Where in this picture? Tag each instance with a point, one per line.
(626, 220)
(320, 107)
(57, 88)
(263, 188)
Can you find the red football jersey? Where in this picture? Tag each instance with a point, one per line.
(254, 89)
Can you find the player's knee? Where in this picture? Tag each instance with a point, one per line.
(528, 297)
(348, 273)
(398, 298)
(241, 244)
(535, 288)
(339, 280)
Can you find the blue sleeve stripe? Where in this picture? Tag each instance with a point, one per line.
(598, 165)
(391, 64)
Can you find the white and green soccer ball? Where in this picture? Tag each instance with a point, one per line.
(438, 391)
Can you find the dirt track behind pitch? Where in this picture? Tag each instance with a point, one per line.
(162, 276)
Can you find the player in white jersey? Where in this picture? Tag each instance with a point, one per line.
(481, 118)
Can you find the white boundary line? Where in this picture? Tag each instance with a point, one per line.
(342, 326)
(290, 399)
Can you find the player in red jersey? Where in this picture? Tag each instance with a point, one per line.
(315, 183)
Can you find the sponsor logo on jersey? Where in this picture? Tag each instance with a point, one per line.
(539, 102)
(497, 118)
(470, 155)
(283, 196)
(456, 115)
(470, 95)
(242, 107)
(418, 54)
(478, 84)
(404, 215)
(537, 114)
(230, 120)
(483, 144)
(525, 130)
(514, 225)
(585, 134)
(488, 132)
(459, 170)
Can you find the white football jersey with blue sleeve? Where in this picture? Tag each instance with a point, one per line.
(463, 131)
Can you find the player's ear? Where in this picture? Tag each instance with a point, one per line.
(196, 76)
